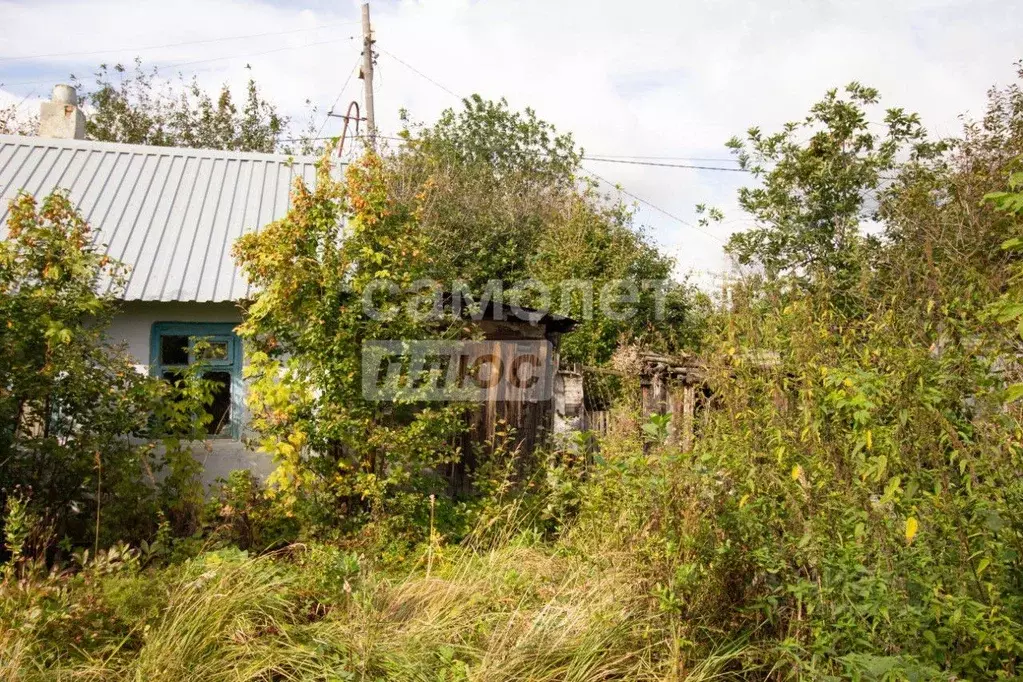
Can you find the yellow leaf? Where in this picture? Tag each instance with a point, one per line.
(912, 525)
(743, 500)
(870, 440)
(797, 471)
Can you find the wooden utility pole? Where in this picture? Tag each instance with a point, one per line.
(367, 75)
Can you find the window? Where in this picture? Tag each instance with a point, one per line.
(173, 348)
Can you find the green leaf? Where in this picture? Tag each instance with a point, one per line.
(1013, 393)
(1012, 243)
(994, 521)
(982, 566)
(1010, 312)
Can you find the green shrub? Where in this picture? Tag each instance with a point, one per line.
(240, 513)
(77, 421)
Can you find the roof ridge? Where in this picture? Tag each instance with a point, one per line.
(63, 143)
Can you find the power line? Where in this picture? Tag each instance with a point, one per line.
(666, 165)
(176, 65)
(188, 42)
(337, 99)
(656, 208)
(668, 158)
(257, 54)
(586, 170)
(617, 186)
(331, 137)
(586, 158)
(417, 71)
(606, 158)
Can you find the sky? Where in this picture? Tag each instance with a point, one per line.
(645, 78)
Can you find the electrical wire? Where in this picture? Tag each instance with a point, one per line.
(189, 42)
(608, 158)
(643, 201)
(257, 54)
(331, 137)
(337, 99)
(420, 73)
(596, 158)
(666, 165)
(667, 158)
(176, 65)
(618, 187)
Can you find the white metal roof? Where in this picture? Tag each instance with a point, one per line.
(170, 214)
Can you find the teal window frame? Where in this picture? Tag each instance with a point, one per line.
(213, 331)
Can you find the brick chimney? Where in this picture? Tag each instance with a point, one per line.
(61, 117)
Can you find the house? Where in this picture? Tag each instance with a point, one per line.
(171, 215)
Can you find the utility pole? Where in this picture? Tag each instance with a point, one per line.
(367, 75)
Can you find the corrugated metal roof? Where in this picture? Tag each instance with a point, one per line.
(170, 214)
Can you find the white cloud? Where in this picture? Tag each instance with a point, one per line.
(639, 78)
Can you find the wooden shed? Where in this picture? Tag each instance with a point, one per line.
(509, 418)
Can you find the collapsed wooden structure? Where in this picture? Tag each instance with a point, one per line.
(673, 385)
(668, 384)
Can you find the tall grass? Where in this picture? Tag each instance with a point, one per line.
(513, 601)
(517, 612)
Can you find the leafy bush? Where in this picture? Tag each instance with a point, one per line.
(341, 459)
(502, 196)
(241, 514)
(72, 407)
(135, 106)
(851, 506)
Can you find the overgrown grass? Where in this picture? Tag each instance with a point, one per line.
(525, 611)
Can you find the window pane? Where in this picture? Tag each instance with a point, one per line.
(173, 350)
(212, 350)
(220, 409)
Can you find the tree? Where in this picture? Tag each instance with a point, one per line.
(862, 446)
(134, 107)
(819, 183)
(506, 142)
(494, 181)
(502, 200)
(340, 455)
(594, 241)
(13, 123)
(942, 238)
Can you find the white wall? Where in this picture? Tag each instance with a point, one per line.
(133, 325)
